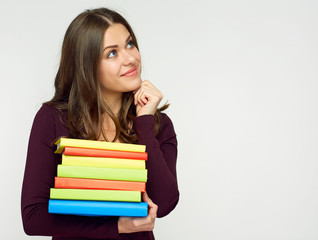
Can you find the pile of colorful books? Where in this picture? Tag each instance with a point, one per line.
(99, 178)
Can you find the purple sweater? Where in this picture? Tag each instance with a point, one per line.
(41, 167)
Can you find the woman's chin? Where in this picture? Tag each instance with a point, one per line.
(136, 85)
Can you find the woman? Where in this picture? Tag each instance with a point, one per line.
(99, 95)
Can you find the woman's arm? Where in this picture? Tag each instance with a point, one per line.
(40, 170)
(162, 186)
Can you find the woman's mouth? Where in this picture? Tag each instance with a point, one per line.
(131, 72)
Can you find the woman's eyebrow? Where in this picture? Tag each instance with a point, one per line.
(116, 46)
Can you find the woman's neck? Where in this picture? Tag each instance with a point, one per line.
(114, 101)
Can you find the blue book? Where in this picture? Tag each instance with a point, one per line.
(98, 208)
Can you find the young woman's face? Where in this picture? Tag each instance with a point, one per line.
(119, 68)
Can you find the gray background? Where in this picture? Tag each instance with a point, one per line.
(241, 77)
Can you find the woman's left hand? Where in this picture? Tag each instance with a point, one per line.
(147, 98)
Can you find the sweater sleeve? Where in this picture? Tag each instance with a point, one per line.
(162, 186)
(40, 170)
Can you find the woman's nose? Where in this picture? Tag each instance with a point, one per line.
(128, 58)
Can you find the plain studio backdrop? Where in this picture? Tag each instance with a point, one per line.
(242, 80)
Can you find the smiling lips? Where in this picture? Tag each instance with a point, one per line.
(131, 72)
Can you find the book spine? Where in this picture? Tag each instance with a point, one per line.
(81, 183)
(102, 162)
(76, 151)
(97, 195)
(98, 208)
(135, 175)
(71, 142)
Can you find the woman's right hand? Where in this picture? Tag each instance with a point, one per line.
(139, 224)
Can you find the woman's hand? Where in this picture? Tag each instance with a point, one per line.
(147, 98)
(139, 224)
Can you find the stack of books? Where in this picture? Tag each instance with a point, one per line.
(98, 178)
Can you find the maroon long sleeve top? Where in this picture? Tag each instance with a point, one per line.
(41, 168)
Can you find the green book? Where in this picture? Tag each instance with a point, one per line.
(121, 174)
(95, 195)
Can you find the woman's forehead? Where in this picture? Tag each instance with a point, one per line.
(115, 34)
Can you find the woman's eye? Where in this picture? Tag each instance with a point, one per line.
(112, 54)
(130, 44)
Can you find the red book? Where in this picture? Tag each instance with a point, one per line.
(81, 183)
(89, 152)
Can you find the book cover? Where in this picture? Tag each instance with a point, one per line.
(72, 142)
(98, 208)
(76, 151)
(135, 175)
(102, 162)
(82, 183)
(96, 195)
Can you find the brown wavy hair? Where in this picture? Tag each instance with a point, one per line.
(77, 89)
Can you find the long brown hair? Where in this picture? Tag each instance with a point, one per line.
(77, 89)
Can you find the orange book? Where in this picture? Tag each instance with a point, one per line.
(81, 183)
(89, 152)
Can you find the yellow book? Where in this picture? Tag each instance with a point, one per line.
(102, 162)
(94, 144)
